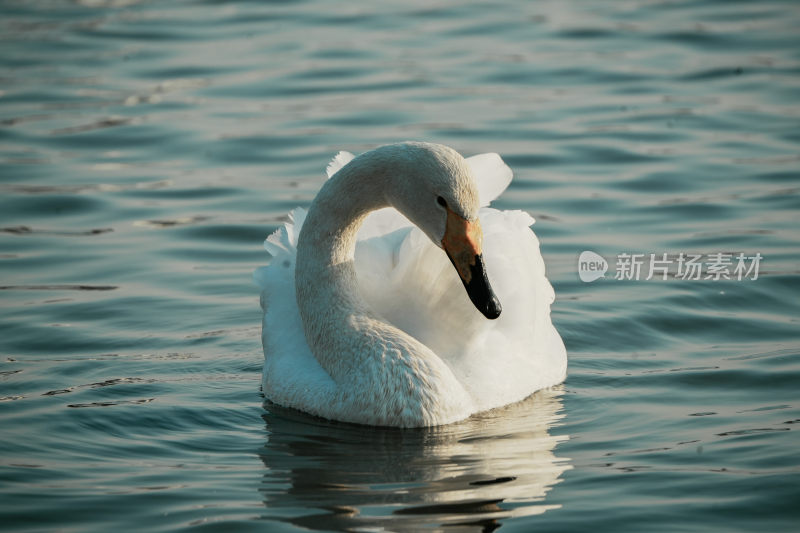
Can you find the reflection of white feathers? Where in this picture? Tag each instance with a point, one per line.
(495, 465)
(410, 283)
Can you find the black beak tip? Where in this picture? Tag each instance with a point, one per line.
(481, 293)
(492, 309)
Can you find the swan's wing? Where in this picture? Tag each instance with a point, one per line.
(382, 222)
(282, 246)
(491, 174)
(338, 161)
(284, 239)
(409, 281)
(290, 369)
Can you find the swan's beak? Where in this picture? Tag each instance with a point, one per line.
(462, 241)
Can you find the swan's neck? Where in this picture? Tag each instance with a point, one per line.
(376, 366)
(328, 236)
(334, 314)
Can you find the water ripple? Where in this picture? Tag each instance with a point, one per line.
(148, 148)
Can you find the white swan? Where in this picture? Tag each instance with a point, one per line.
(374, 326)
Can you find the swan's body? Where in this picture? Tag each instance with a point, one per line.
(375, 327)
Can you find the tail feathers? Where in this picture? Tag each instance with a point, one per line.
(282, 246)
(338, 161)
(284, 239)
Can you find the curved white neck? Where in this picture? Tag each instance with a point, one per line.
(325, 278)
(377, 367)
(329, 232)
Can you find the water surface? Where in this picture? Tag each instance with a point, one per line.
(147, 149)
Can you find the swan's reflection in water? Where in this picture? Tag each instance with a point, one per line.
(330, 476)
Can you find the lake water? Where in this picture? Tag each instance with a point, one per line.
(148, 148)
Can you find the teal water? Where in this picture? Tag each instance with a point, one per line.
(148, 148)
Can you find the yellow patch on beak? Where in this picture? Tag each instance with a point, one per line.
(462, 241)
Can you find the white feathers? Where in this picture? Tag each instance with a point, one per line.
(284, 239)
(338, 161)
(492, 176)
(409, 282)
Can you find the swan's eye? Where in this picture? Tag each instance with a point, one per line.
(441, 201)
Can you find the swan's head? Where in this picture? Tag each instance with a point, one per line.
(434, 187)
